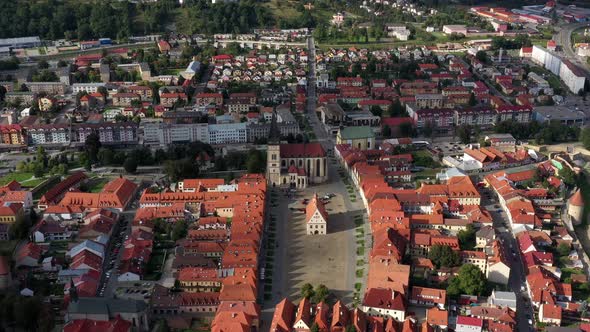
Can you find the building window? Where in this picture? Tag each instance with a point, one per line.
(317, 167)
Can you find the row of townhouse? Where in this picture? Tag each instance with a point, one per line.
(407, 222)
(161, 133)
(217, 261)
(109, 133)
(445, 118)
(528, 210)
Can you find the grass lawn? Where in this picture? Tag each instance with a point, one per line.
(173, 71)
(551, 78)
(155, 264)
(427, 173)
(16, 176)
(281, 8)
(95, 185)
(33, 182)
(41, 191)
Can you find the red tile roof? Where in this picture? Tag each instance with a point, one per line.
(315, 205)
(59, 189)
(89, 325)
(471, 321)
(424, 294)
(302, 150)
(282, 320)
(384, 298)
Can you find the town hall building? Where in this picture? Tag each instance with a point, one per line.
(316, 217)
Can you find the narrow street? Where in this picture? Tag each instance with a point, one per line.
(510, 246)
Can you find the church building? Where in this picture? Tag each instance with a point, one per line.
(294, 165)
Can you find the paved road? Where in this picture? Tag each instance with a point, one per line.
(114, 252)
(564, 38)
(517, 276)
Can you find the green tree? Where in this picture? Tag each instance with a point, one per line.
(105, 156)
(563, 249)
(567, 176)
(406, 129)
(307, 291)
(19, 229)
(467, 237)
(376, 110)
(444, 256)
(27, 311)
(130, 165)
(186, 168)
(88, 165)
(386, 131)
(482, 56)
(464, 132)
(472, 99)
(396, 109)
(321, 293)
(470, 281)
(92, 145)
(179, 230)
(585, 137)
(103, 91)
(428, 129)
(39, 170)
(315, 327)
(256, 162)
(43, 64)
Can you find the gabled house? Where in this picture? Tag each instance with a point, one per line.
(384, 303)
(303, 321)
(316, 217)
(282, 320)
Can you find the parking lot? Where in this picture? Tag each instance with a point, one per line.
(449, 149)
(134, 290)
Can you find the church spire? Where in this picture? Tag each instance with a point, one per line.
(274, 136)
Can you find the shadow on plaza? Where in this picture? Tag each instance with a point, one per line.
(342, 222)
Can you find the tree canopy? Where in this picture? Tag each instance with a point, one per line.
(444, 256)
(82, 19)
(470, 281)
(467, 238)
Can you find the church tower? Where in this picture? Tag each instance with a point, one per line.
(273, 153)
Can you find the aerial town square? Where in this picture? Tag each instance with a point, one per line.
(294, 165)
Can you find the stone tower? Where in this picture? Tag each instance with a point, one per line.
(273, 153)
(576, 207)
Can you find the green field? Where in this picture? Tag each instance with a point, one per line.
(24, 178)
(95, 185)
(282, 8)
(173, 71)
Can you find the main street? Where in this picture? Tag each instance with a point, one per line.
(512, 252)
(299, 258)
